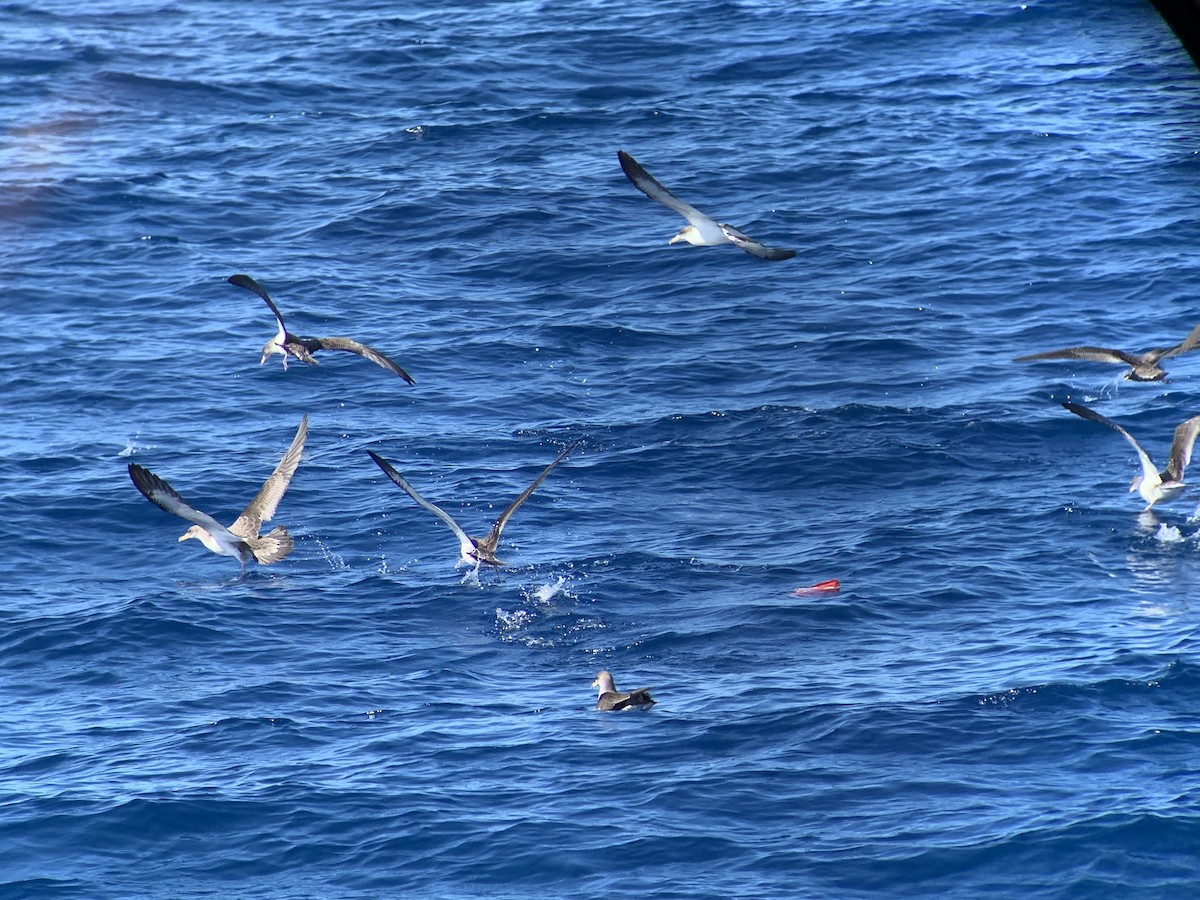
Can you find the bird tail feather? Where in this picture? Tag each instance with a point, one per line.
(272, 546)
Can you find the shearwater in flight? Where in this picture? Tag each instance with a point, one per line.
(701, 230)
(302, 348)
(1142, 366)
(1153, 485)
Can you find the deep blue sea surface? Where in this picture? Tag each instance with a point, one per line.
(1002, 700)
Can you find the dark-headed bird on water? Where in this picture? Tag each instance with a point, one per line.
(302, 348)
(1142, 366)
(701, 230)
(240, 540)
(473, 551)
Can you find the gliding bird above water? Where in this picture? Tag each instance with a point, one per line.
(472, 551)
(240, 540)
(1142, 366)
(1154, 486)
(303, 348)
(701, 231)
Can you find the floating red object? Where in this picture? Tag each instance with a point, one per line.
(832, 586)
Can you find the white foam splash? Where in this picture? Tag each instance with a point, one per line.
(335, 561)
(547, 592)
(512, 621)
(1168, 534)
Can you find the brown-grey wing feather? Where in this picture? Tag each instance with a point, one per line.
(1148, 468)
(353, 346)
(168, 499)
(400, 482)
(493, 537)
(1181, 447)
(652, 188)
(1189, 343)
(262, 507)
(245, 281)
(753, 247)
(623, 700)
(1092, 354)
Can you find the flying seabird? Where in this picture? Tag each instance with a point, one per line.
(240, 540)
(1154, 486)
(302, 348)
(472, 551)
(1142, 366)
(611, 698)
(701, 231)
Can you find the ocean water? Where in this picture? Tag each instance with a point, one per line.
(1003, 699)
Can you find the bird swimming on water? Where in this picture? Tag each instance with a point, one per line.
(612, 699)
(240, 540)
(1154, 486)
(302, 348)
(1142, 366)
(473, 551)
(701, 230)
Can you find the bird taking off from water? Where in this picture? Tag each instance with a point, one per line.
(473, 551)
(240, 540)
(1153, 485)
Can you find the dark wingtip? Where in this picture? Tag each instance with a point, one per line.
(245, 281)
(771, 254)
(630, 166)
(1181, 16)
(388, 469)
(143, 479)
